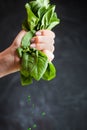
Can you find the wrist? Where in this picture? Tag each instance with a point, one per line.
(8, 62)
(5, 58)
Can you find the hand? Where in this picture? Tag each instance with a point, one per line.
(9, 60)
(44, 41)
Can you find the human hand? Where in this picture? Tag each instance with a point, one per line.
(44, 41)
(9, 59)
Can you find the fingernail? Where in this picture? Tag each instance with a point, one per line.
(38, 33)
(32, 45)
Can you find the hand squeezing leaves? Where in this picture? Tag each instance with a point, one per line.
(35, 64)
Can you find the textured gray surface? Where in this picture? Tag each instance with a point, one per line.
(64, 99)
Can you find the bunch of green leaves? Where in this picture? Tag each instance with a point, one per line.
(34, 63)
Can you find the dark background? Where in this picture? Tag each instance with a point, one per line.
(64, 99)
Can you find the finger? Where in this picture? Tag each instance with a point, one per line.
(49, 55)
(43, 39)
(42, 46)
(45, 33)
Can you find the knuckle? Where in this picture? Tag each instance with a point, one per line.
(53, 41)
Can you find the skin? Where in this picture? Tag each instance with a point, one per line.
(9, 60)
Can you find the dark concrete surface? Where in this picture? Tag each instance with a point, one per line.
(64, 99)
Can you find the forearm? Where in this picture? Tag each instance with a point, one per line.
(6, 59)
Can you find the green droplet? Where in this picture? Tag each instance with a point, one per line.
(43, 113)
(34, 126)
(29, 129)
(29, 98)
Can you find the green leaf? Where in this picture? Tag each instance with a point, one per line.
(43, 3)
(49, 19)
(50, 72)
(28, 63)
(35, 6)
(20, 51)
(53, 21)
(46, 18)
(26, 80)
(24, 65)
(31, 18)
(39, 66)
(34, 65)
(25, 25)
(26, 39)
(41, 12)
